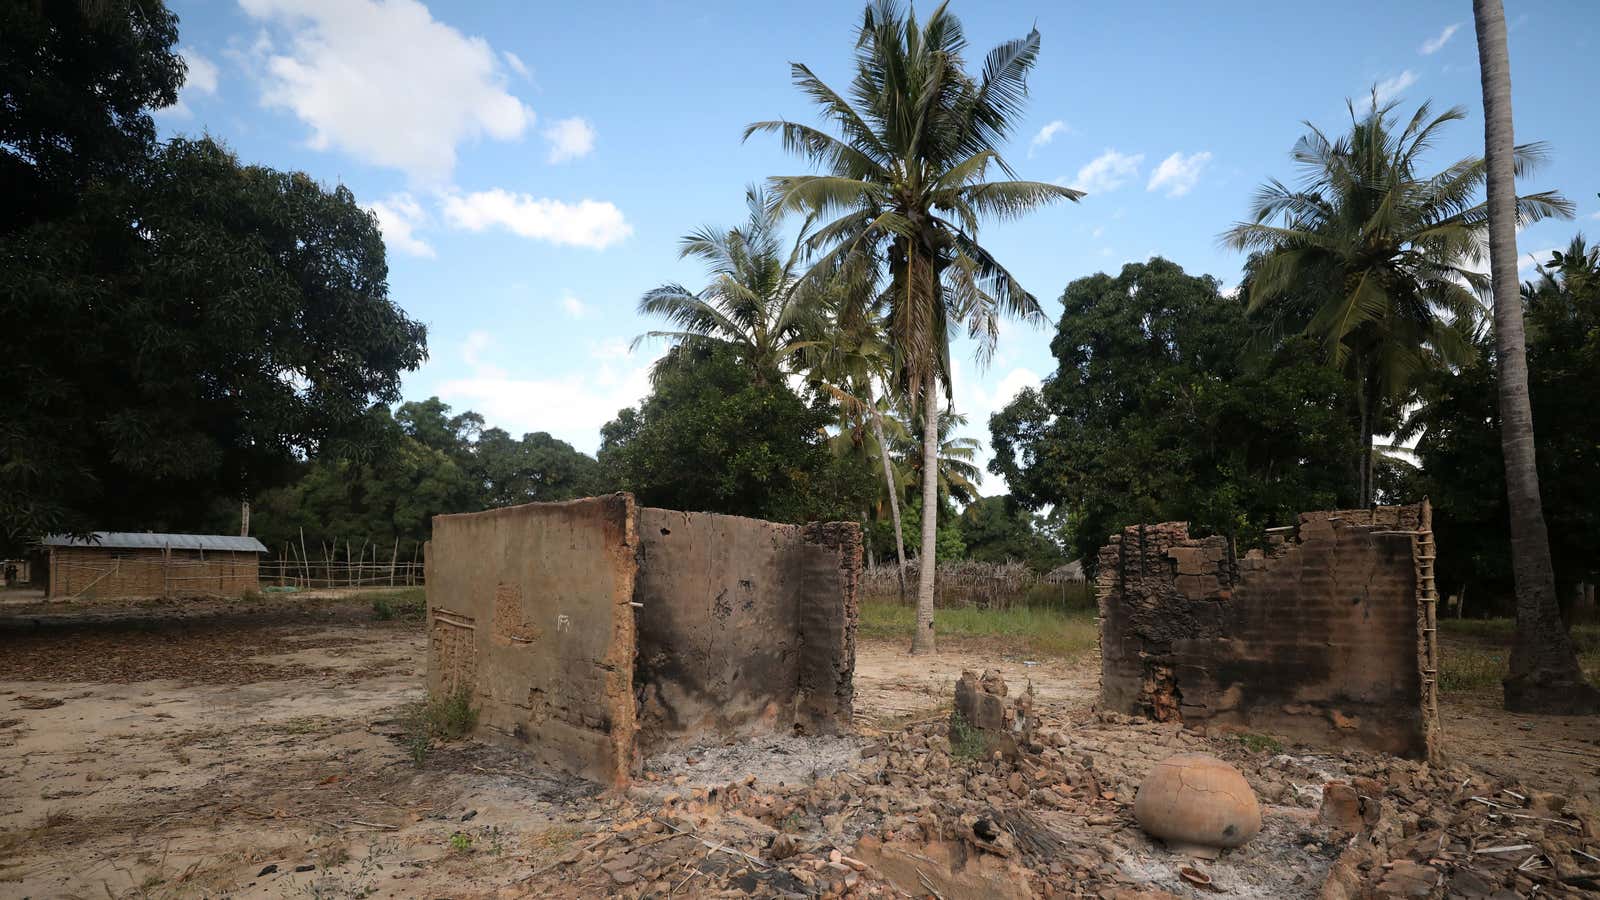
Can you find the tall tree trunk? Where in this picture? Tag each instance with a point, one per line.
(927, 560)
(1369, 425)
(894, 492)
(1545, 677)
(1364, 456)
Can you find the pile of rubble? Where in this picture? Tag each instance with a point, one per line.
(1043, 806)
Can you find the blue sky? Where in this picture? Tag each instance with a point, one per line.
(534, 165)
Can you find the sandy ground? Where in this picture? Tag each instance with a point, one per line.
(255, 751)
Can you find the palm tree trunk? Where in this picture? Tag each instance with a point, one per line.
(1545, 677)
(927, 561)
(894, 492)
(1369, 415)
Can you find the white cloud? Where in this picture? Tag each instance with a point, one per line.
(1435, 44)
(1098, 230)
(472, 350)
(574, 307)
(1390, 88)
(1107, 172)
(1046, 135)
(1536, 258)
(1178, 174)
(201, 77)
(569, 139)
(386, 83)
(587, 223)
(516, 64)
(202, 72)
(571, 406)
(398, 218)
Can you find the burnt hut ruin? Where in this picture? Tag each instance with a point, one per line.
(1327, 636)
(595, 632)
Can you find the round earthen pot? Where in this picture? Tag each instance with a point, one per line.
(1197, 800)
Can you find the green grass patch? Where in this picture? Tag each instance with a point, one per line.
(1045, 632)
(1476, 653)
(966, 742)
(439, 718)
(1465, 669)
(1256, 743)
(405, 604)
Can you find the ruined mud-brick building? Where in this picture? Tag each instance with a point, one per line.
(1327, 636)
(142, 564)
(594, 632)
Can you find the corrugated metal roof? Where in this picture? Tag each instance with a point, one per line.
(147, 540)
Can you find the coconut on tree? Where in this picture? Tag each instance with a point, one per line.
(911, 167)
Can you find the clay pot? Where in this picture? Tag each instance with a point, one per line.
(1197, 800)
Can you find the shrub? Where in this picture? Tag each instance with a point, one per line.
(440, 718)
(409, 605)
(966, 742)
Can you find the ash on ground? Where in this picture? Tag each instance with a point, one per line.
(772, 760)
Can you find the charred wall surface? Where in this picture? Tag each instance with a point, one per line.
(596, 631)
(744, 625)
(1324, 637)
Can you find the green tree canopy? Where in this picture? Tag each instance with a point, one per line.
(711, 437)
(1375, 257)
(998, 529)
(1458, 440)
(181, 327)
(1159, 410)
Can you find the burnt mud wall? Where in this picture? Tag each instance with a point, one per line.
(744, 625)
(594, 632)
(530, 611)
(1318, 639)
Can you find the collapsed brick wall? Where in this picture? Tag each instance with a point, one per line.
(1320, 638)
(714, 623)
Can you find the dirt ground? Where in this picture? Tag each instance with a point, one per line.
(255, 750)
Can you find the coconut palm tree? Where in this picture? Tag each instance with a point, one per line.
(847, 364)
(906, 181)
(1545, 676)
(757, 303)
(1376, 258)
(958, 472)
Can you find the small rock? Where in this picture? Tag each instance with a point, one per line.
(267, 870)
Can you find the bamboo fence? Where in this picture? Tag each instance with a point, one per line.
(978, 584)
(362, 565)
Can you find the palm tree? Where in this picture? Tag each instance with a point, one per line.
(846, 364)
(905, 184)
(1375, 258)
(756, 304)
(958, 473)
(1545, 676)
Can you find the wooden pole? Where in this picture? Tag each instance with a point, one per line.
(393, 556)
